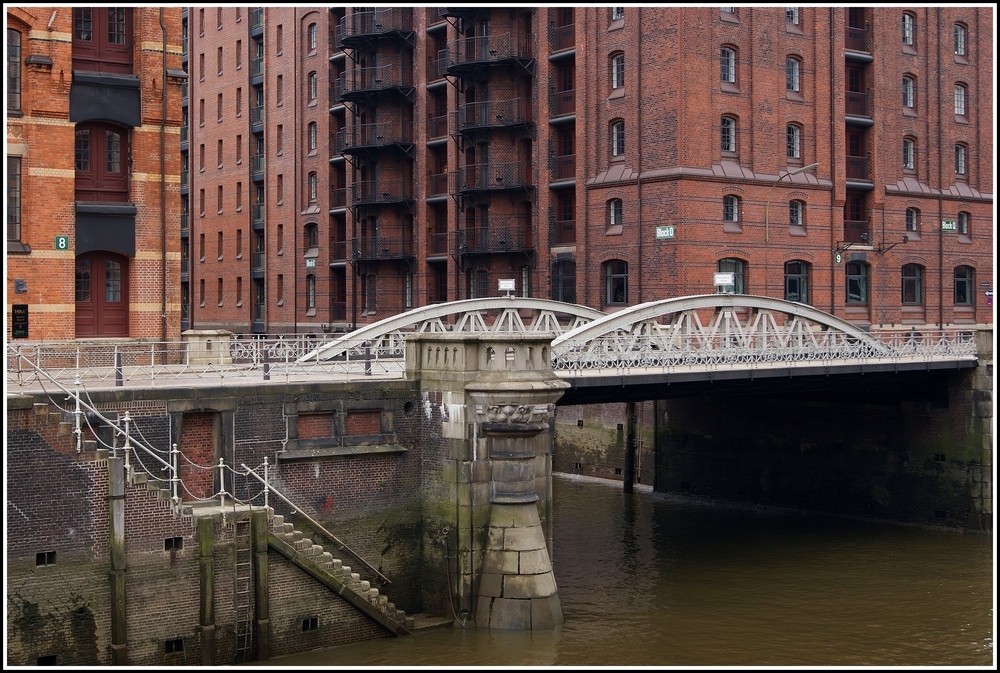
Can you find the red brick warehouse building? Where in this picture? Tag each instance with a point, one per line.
(93, 164)
(349, 164)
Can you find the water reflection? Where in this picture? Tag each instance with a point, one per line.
(647, 580)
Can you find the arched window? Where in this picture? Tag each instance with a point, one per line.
(311, 235)
(13, 70)
(963, 223)
(727, 134)
(614, 212)
(793, 74)
(313, 187)
(909, 154)
(912, 279)
(731, 208)
(313, 136)
(737, 267)
(313, 87)
(617, 70)
(960, 37)
(909, 29)
(615, 282)
(797, 281)
(961, 98)
(311, 33)
(727, 65)
(796, 213)
(961, 159)
(909, 92)
(793, 141)
(856, 283)
(912, 219)
(564, 281)
(963, 285)
(617, 138)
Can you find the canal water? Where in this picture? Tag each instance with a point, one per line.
(649, 580)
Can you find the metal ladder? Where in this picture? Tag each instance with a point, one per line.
(242, 587)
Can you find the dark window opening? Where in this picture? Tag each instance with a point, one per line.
(45, 558)
(172, 543)
(174, 645)
(310, 623)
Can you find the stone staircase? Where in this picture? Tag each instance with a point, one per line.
(332, 572)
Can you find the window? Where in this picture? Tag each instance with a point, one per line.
(239, 149)
(311, 292)
(960, 40)
(279, 42)
(201, 67)
(615, 282)
(311, 33)
(961, 95)
(909, 92)
(408, 289)
(239, 101)
(313, 135)
(909, 27)
(793, 71)
(797, 281)
(220, 292)
(912, 284)
(963, 285)
(218, 58)
(737, 267)
(102, 152)
(727, 134)
(313, 90)
(792, 15)
(730, 208)
(793, 141)
(313, 187)
(13, 70)
(239, 54)
(727, 65)
(218, 153)
(617, 138)
(564, 281)
(961, 156)
(13, 199)
(912, 219)
(614, 212)
(279, 140)
(279, 90)
(963, 223)
(856, 277)
(617, 70)
(218, 19)
(311, 235)
(909, 152)
(617, 13)
(102, 39)
(219, 200)
(796, 213)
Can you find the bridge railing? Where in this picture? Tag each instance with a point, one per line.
(628, 350)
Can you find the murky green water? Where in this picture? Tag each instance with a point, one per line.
(650, 581)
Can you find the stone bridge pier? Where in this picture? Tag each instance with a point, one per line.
(494, 397)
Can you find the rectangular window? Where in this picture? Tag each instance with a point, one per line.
(239, 102)
(239, 205)
(727, 65)
(218, 153)
(239, 54)
(201, 66)
(201, 112)
(219, 60)
(793, 142)
(908, 29)
(218, 197)
(959, 40)
(219, 293)
(14, 199)
(960, 98)
(960, 159)
(13, 70)
(617, 13)
(792, 73)
(239, 149)
(219, 107)
(792, 15)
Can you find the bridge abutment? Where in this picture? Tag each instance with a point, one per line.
(504, 390)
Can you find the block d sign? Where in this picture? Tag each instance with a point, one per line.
(947, 225)
(665, 231)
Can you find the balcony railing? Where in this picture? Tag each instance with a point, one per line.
(380, 134)
(564, 167)
(437, 127)
(338, 250)
(257, 67)
(513, 236)
(256, 17)
(437, 183)
(488, 49)
(562, 103)
(857, 103)
(375, 78)
(857, 168)
(338, 197)
(257, 261)
(185, 224)
(256, 114)
(491, 176)
(381, 191)
(438, 243)
(257, 213)
(856, 231)
(375, 22)
(435, 68)
(856, 38)
(495, 113)
(257, 163)
(562, 37)
(386, 245)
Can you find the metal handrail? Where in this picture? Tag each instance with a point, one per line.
(299, 510)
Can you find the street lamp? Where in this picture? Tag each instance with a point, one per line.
(767, 204)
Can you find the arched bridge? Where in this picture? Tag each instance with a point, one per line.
(700, 337)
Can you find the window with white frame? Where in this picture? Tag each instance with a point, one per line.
(909, 29)
(912, 219)
(909, 91)
(731, 208)
(963, 223)
(614, 212)
(617, 13)
(313, 187)
(960, 40)
(793, 71)
(738, 268)
(796, 213)
(312, 37)
(617, 138)
(617, 70)
(313, 136)
(961, 97)
(960, 159)
(313, 87)
(797, 281)
(793, 141)
(792, 15)
(727, 64)
(909, 154)
(727, 134)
